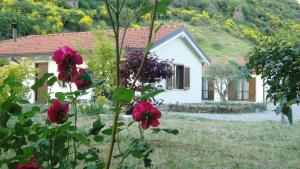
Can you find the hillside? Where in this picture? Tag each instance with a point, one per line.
(222, 27)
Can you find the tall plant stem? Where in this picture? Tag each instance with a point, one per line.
(74, 105)
(153, 17)
(116, 29)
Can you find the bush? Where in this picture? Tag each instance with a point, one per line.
(219, 107)
(92, 109)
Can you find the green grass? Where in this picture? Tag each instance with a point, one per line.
(223, 144)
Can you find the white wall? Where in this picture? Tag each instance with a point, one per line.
(183, 54)
(52, 68)
(260, 93)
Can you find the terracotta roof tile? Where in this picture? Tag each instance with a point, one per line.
(44, 44)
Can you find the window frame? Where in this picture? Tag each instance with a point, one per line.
(174, 78)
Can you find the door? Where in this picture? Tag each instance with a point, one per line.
(42, 69)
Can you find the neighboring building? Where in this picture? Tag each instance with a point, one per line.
(251, 90)
(172, 42)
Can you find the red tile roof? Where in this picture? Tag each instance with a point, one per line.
(44, 44)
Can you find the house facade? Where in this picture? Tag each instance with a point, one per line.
(171, 42)
(252, 90)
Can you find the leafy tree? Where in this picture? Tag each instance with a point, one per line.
(278, 61)
(101, 62)
(20, 72)
(222, 75)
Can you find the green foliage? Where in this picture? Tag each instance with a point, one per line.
(21, 72)
(91, 109)
(222, 75)
(101, 61)
(41, 17)
(277, 60)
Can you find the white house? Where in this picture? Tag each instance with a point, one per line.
(252, 90)
(170, 42)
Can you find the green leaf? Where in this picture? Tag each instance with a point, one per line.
(147, 88)
(171, 131)
(19, 129)
(40, 82)
(59, 143)
(167, 130)
(97, 126)
(123, 95)
(107, 132)
(33, 137)
(51, 81)
(60, 96)
(99, 138)
(79, 136)
(151, 94)
(15, 110)
(162, 6)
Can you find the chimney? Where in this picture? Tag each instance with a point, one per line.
(14, 33)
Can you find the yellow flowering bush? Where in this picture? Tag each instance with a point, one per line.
(23, 71)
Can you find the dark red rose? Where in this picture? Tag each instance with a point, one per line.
(58, 112)
(84, 80)
(67, 73)
(66, 59)
(67, 56)
(32, 164)
(147, 114)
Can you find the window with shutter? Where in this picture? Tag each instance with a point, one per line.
(187, 78)
(180, 78)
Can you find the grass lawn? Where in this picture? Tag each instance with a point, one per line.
(223, 144)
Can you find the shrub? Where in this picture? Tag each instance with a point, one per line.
(219, 107)
(21, 72)
(91, 109)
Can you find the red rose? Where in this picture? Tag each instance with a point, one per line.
(84, 80)
(147, 114)
(67, 56)
(58, 112)
(30, 165)
(67, 73)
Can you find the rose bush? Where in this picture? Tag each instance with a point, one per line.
(58, 142)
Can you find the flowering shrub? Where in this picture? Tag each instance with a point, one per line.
(58, 141)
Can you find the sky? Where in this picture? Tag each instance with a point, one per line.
(299, 1)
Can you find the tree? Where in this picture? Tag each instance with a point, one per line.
(278, 61)
(222, 75)
(102, 63)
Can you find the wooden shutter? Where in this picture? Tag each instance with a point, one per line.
(252, 89)
(211, 90)
(187, 78)
(170, 80)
